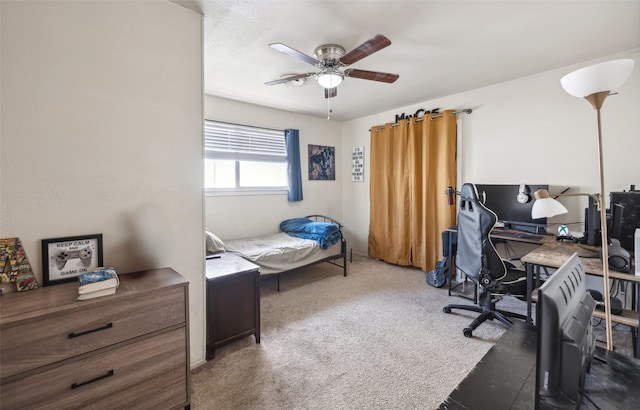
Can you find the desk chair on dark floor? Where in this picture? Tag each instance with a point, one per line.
(478, 259)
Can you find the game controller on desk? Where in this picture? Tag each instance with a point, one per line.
(61, 257)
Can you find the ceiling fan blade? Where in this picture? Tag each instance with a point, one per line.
(371, 75)
(365, 49)
(294, 53)
(287, 79)
(330, 92)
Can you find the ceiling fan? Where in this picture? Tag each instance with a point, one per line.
(330, 58)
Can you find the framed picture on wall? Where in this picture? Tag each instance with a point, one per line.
(357, 167)
(63, 259)
(322, 163)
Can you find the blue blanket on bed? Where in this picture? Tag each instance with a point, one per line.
(325, 233)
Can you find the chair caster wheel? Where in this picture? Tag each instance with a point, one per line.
(467, 332)
(446, 309)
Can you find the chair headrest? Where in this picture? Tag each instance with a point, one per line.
(469, 192)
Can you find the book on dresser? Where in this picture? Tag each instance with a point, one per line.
(101, 282)
(97, 294)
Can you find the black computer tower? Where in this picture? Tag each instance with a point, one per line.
(592, 230)
(630, 216)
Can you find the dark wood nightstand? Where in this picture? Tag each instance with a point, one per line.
(233, 301)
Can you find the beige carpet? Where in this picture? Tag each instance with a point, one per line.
(377, 339)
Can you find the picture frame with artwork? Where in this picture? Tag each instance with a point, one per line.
(357, 167)
(15, 270)
(63, 259)
(322, 163)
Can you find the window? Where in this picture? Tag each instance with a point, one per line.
(243, 158)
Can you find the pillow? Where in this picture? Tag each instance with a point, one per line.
(214, 244)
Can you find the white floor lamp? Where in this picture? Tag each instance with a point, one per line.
(595, 83)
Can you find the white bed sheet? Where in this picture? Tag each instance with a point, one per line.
(280, 252)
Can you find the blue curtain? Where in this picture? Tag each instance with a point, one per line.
(294, 173)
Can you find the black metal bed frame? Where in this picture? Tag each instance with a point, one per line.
(330, 259)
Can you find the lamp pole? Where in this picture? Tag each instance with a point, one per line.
(594, 84)
(596, 100)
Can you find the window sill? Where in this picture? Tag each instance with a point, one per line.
(246, 192)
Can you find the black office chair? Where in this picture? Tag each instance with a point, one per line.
(478, 259)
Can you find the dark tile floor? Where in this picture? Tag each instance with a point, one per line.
(621, 335)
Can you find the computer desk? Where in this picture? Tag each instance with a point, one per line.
(553, 254)
(505, 377)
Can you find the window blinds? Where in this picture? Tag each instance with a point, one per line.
(240, 142)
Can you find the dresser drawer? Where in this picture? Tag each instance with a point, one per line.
(51, 338)
(149, 373)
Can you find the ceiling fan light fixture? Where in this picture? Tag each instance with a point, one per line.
(330, 79)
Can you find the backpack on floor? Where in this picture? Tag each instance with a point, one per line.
(437, 277)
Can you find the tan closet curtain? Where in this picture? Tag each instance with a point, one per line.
(412, 163)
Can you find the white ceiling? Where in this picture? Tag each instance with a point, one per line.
(439, 48)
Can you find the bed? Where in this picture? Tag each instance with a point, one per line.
(301, 242)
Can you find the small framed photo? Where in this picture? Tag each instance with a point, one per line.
(63, 259)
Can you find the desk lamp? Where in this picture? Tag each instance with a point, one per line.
(594, 83)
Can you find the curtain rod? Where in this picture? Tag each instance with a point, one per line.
(452, 113)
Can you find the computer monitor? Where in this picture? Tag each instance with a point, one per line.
(565, 337)
(503, 201)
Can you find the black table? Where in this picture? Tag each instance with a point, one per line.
(554, 254)
(233, 301)
(505, 377)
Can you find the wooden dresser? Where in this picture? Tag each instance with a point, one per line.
(128, 350)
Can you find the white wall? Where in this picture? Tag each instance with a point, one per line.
(232, 217)
(102, 132)
(527, 130)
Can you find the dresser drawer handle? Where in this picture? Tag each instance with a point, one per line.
(104, 376)
(74, 334)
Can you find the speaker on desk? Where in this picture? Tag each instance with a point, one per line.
(619, 258)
